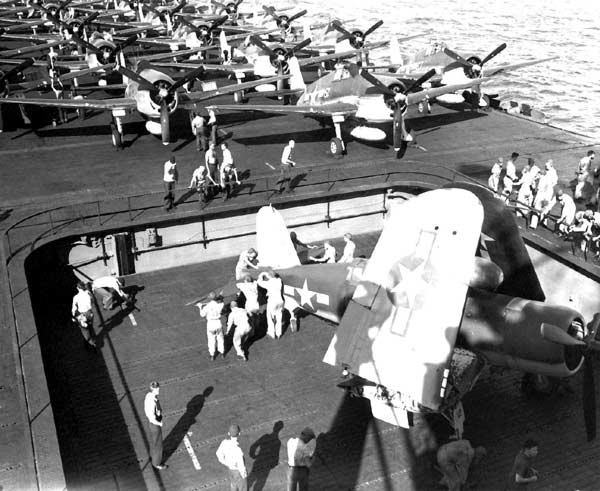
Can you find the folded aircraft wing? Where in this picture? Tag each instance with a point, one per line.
(400, 327)
(188, 101)
(103, 104)
(416, 97)
(491, 71)
(334, 108)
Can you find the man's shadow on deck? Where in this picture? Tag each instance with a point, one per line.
(265, 452)
(177, 434)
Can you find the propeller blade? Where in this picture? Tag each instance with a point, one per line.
(589, 398)
(187, 23)
(165, 127)
(298, 47)
(130, 74)
(457, 57)
(218, 22)
(499, 49)
(338, 27)
(130, 40)
(398, 123)
(555, 334)
(422, 79)
(270, 11)
(372, 28)
(16, 69)
(63, 5)
(259, 42)
(86, 45)
(90, 18)
(377, 83)
(186, 78)
(296, 16)
(178, 8)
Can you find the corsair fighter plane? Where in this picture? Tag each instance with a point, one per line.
(420, 319)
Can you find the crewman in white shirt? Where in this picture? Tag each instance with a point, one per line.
(201, 182)
(238, 317)
(154, 414)
(214, 328)
(328, 255)
(349, 248)
(231, 456)
(249, 288)
(169, 181)
(274, 286)
(82, 313)
(111, 290)
(247, 261)
(300, 452)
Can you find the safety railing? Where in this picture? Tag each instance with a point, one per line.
(116, 212)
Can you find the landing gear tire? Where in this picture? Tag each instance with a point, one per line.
(238, 98)
(336, 146)
(533, 384)
(117, 141)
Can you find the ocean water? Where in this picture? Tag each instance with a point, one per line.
(567, 89)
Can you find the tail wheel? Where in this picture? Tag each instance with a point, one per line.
(336, 146)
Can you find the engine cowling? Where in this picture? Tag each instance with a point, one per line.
(513, 332)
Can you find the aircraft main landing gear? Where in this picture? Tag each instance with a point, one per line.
(116, 131)
(336, 145)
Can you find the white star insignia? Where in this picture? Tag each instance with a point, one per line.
(306, 295)
(411, 285)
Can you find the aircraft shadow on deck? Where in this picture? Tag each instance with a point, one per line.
(310, 136)
(428, 121)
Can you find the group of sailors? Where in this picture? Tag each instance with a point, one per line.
(538, 194)
(245, 309)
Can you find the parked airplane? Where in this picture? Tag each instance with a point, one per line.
(452, 68)
(152, 93)
(433, 305)
(353, 97)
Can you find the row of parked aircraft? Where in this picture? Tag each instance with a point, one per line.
(159, 51)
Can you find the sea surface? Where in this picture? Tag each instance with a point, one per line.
(567, 89)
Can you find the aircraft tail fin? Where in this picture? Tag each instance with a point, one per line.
(306, 30)
(296, 79)
(273, 242)
(395, 54)
(224, 47)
